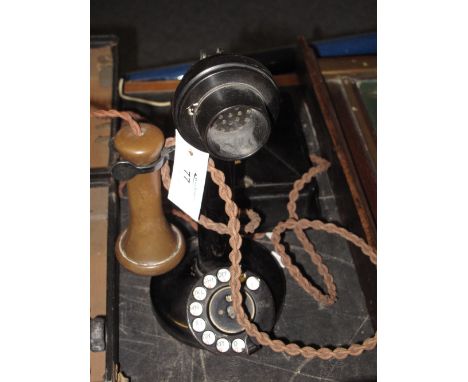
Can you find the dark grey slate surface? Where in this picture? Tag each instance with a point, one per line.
(147, 353)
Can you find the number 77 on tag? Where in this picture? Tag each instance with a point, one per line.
(188, 177)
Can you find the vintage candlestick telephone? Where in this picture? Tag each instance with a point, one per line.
(225, 105)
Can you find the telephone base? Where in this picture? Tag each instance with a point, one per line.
(193, 306)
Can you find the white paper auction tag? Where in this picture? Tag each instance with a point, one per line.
(188, 177)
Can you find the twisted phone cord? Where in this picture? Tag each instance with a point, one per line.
(298, 226)
(292, 223)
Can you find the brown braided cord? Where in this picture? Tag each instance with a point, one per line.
(205, 221)
(125, 115)
(294, 271)
(254, 222)
(235, 241)
(298, 226)
(235, 256)
(322, 165)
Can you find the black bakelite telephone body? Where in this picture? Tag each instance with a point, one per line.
(226, 105)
